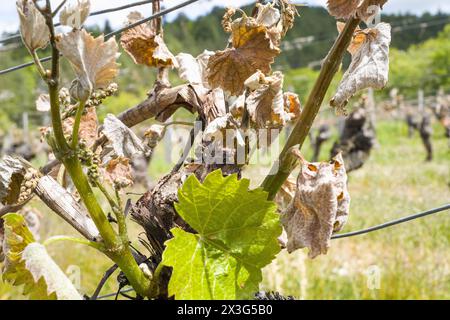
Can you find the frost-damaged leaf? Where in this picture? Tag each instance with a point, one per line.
(345, 9)
(88, 126)
(43, 103)
(252, 49)
(265, 102)
(145, 46)
(359, 37)
(34, 31)
(286, 193)
(93, 60)
(213, 105)
(267, 15)
(292, 105)
(224, 129)
(365, 10)
(12, 171)
(75, 15)
(124, 141)
(193, 69)
(154, 134)
(237, 236)
(342, 9)
(118, 172)
(369, 67)
(288, 14)
(27, 263)
(319, 208)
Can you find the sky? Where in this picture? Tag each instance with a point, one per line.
(9, 20)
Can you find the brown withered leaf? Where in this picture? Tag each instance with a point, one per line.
(292, 105)
(123, 140)
(144, 45)
(345, 9)
(153, 135)
(76, 14)
(252, 49)
(359, 37)
(227, 19)
(12, 172)
(88, 126)
(369, 67)
(365, 10)
(237, 106)
(267, 14)
(286, 193)
(213, 105)
(193, 69)
(43, 103)
(220, 130)
(265, 103)
(288, 14)
(342, 9)
(320, 206)
(34, 31)
(93, 59)
(118, 172)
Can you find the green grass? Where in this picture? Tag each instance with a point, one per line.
(414, 258)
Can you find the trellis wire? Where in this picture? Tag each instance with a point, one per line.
(112, 34)
(392, 223)
(350, 234)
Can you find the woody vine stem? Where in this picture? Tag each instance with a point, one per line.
(116, 246)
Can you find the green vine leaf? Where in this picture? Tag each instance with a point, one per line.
(237, 236)
(27, 263)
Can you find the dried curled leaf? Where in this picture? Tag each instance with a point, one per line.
(88, 126)
(319, 208)
(345, 9)
(75, 15)
(28, 264)
(213, 105)
(154, 134)
(265, 103)
(118, 172)
(124, 142)
(287, 192)
(267, 14)
(34, 31)
(93, 60)
(288, 14)
(193, 69)
(12, 172)
(227, 19)
(342, 9)
(43, 103)
(369, 67)
(268, 107)
(144, 45)
(292, 105)
(222, 129)
(359, 37)
(252, 49)
(368, 8)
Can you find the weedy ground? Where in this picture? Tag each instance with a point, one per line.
(407, 261)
